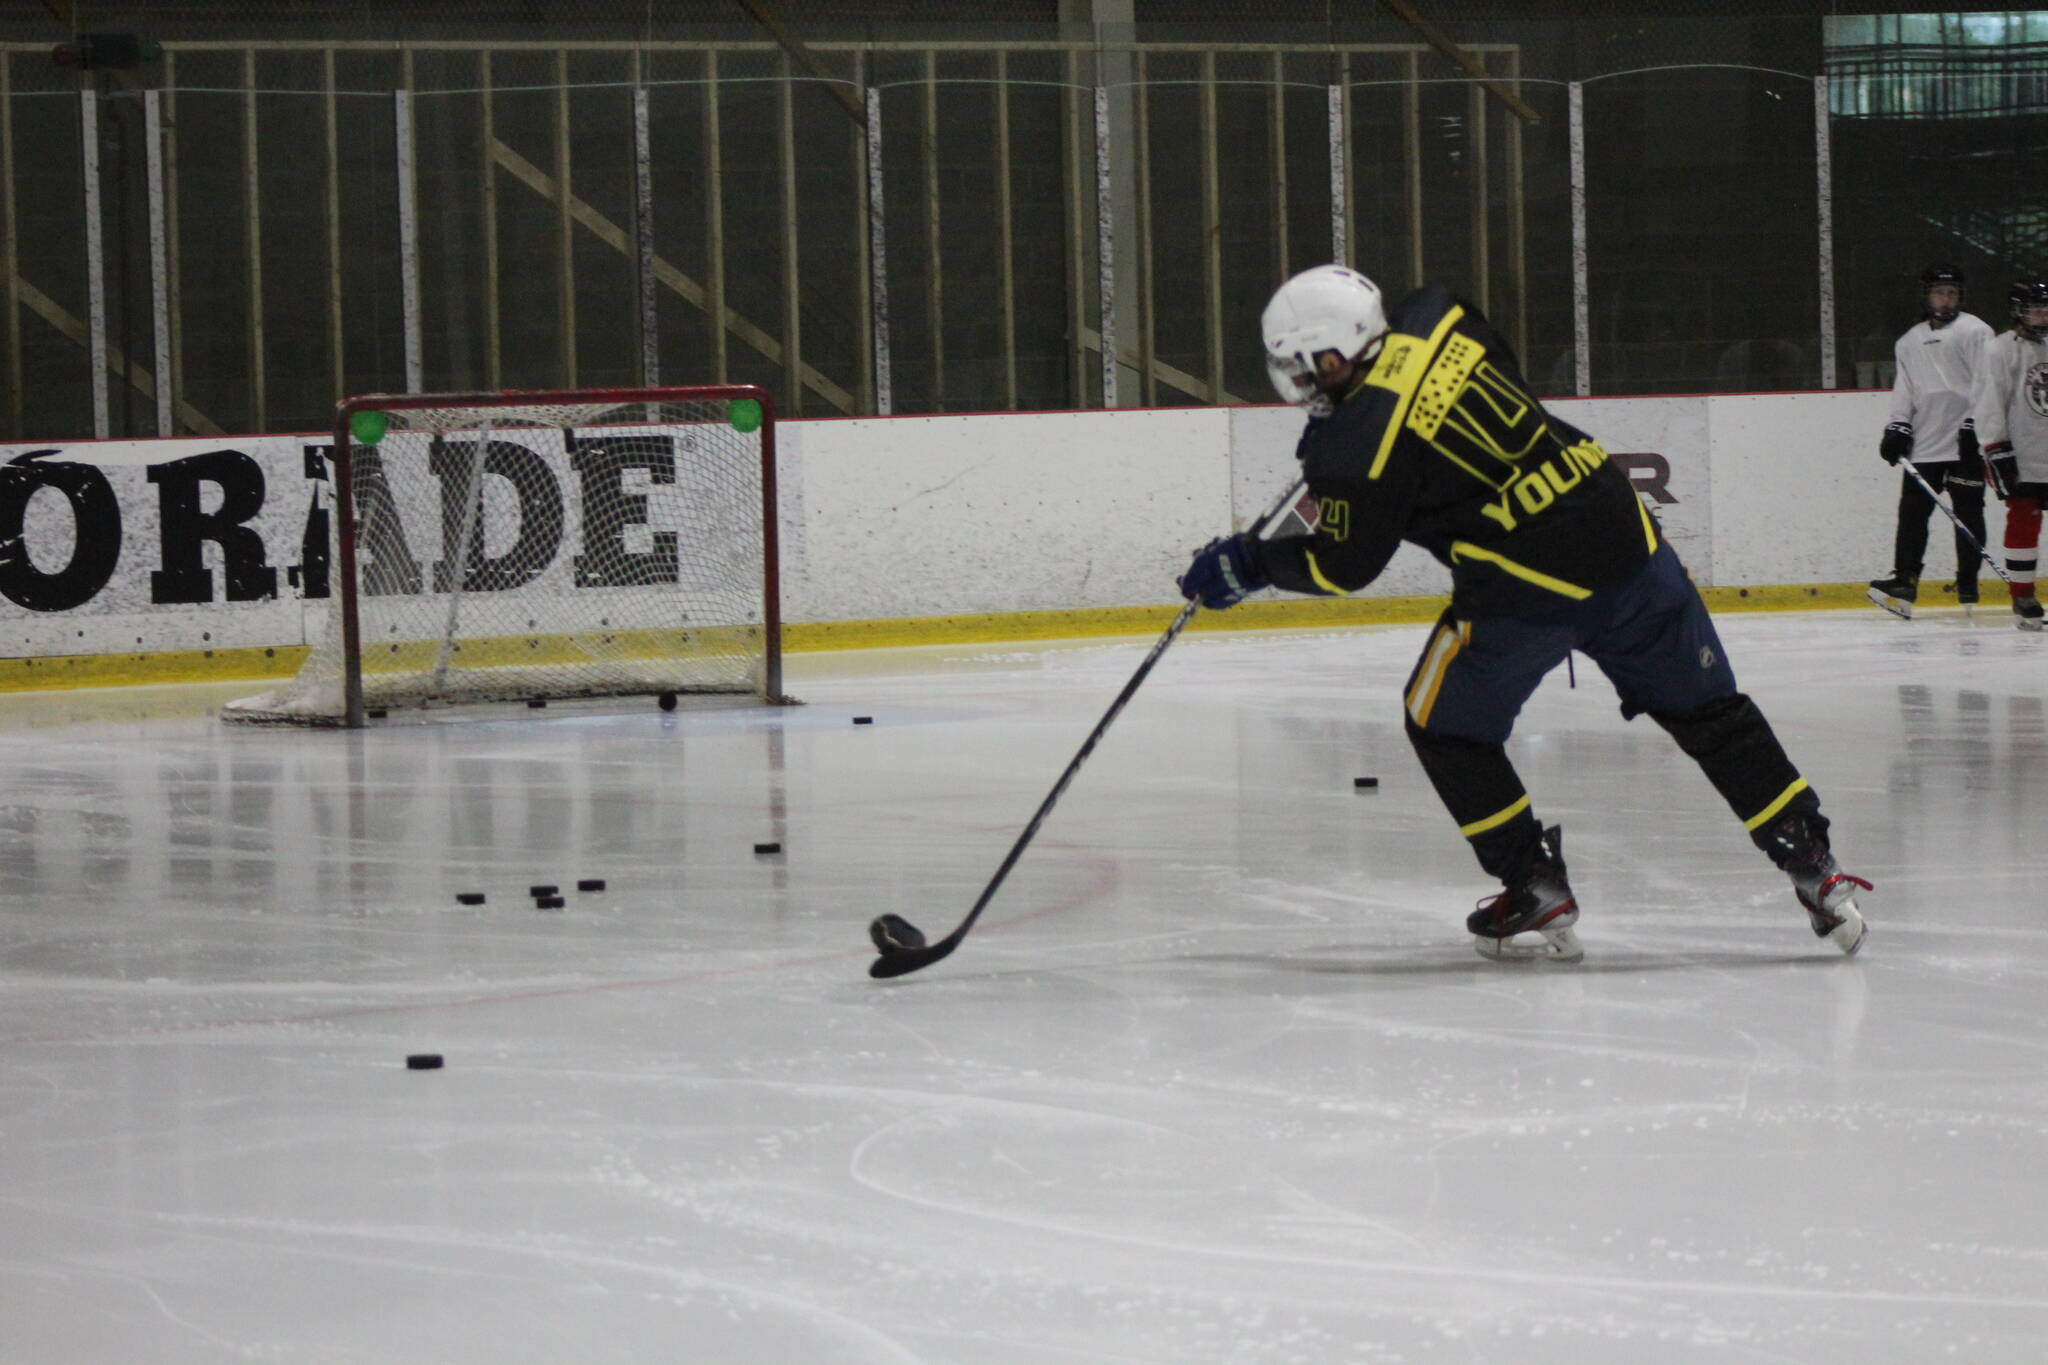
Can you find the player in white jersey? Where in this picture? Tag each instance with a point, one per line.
(2011, 409)
(1930, 425)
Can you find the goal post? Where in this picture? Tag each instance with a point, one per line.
(541, 544)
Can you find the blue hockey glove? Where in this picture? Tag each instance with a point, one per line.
(1896, 443)
(1223, 574)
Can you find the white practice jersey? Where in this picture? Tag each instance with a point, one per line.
(1933, 388)
(2012, 401)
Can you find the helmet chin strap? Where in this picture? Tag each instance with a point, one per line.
(1356, 369)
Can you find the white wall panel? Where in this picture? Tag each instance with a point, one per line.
(1799, 493)
(942, 516)
(116, 476)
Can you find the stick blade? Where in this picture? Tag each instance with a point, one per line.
(903, 961)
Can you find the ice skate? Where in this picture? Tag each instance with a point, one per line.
(1538, 902)
(1895, 594)
(2028, 609)
(1826, 893)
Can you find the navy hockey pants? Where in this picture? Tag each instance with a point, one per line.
(1654, 640)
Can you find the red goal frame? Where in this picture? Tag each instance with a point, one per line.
(345, 518)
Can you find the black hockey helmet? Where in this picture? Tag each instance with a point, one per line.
(2029, 291)
(1936, 275)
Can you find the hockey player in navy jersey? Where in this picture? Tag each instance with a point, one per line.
(1930, 426)
(1423, 429)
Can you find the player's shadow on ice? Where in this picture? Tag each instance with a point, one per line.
(1409, 963)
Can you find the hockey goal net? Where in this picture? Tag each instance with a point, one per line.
(533, 545)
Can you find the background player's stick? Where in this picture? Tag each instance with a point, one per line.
(901, 945)
(1960, 528)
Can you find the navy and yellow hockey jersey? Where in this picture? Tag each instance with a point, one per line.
(1441, 444)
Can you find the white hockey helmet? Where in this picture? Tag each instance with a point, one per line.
(1329, 308)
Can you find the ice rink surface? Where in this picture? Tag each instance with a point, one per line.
(1219, 1077)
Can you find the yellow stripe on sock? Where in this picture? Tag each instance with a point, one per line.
(1764, 816)
(1500, 817)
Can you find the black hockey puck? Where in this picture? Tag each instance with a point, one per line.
(543, 890)
(1365, 783)
(863, 720)
(767, 848)
(666, 701)
(590, 884)
(423, 1061)
(537, 703)
(547, 902)
(894, 934)
(469, 898)
(376, 715)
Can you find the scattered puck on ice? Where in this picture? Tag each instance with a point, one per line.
(666, 701)
(547, 902)
(767, 848)
(469, 898)
(863, 720)
(376, 715)
(543, 890)
(537, 703)
(894, 934)
(1365, 783)
(591, 884)
(423, 1061)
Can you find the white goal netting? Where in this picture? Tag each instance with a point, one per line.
(531, 550)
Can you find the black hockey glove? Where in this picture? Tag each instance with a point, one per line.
(1966, 442)
(1223, 574)
(2002, 466)
(1896, 443)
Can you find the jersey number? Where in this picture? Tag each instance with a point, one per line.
(1490, 426)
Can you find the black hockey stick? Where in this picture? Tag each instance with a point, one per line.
(902, 947)
(1982, 553)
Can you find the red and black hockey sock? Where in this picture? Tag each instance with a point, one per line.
(2022, 541)
(1483, 794)
(1740, 754)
